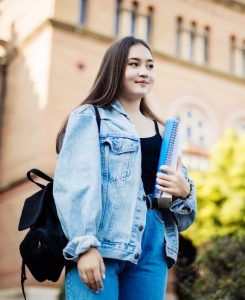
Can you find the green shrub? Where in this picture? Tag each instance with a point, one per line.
(221, 192)
(218, 272)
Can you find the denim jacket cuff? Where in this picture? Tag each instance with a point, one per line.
(79, 245)
(183, 206)
(180, 206)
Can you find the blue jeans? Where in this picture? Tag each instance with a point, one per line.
(127, 281)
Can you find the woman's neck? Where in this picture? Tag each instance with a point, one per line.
(132, 108)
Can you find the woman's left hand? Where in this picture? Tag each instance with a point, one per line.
(173, 182)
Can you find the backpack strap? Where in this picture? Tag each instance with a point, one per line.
(39, 174)
(98, 119)
(23, 278)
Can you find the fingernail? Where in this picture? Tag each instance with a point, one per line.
(103, 276)
(97, 292)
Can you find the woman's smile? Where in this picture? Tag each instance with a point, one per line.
(142, 82)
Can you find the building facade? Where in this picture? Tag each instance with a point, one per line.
(50, 53)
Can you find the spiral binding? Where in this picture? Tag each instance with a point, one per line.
(172, 143)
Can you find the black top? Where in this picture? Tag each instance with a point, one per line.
(150, 149)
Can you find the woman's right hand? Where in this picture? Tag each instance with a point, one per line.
(91, 269)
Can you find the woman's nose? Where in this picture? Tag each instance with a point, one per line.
(143, 72)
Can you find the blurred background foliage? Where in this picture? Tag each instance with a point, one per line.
(221, 192)
(217, 271)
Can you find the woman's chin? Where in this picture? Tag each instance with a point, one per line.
(140, 93)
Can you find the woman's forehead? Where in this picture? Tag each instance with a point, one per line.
(139, 52)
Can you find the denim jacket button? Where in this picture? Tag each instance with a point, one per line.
(141, 228)
(137, 255)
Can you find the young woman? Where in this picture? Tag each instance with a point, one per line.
(103, 184)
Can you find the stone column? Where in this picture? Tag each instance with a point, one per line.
(125, 21)
(185, 45)
(199, 49)
(141, 27)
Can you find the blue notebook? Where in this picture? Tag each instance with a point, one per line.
(168, 156)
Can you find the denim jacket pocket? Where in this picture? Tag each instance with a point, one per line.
(118, 154)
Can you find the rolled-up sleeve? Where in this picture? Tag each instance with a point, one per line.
(77, 183)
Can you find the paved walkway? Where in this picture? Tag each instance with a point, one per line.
(38, 293)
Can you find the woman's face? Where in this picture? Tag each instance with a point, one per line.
(139, 73)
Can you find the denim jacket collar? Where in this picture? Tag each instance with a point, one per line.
(118, 106)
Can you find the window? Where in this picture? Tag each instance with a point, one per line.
(188, 113)
(179, 25)
(83, 9)
(206, 44)
(129, 21)
(192, 42)
(200, 124)
(117, 16)
(232, 53)
(194, 127)
(237, 57)
(188, 133)
(149, 19)
(196, 136)
(123, 19)
(133, 18)
(192, 36)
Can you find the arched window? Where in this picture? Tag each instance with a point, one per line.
(195, 131)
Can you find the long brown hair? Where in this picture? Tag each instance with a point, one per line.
(109, 80)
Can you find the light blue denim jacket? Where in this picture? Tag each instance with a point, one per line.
(98, 189)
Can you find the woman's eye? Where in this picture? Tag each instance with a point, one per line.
(134, 64)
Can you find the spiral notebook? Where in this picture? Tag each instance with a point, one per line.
(170, 150)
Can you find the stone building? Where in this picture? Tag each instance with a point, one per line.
(49, 55)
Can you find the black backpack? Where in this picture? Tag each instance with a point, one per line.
(41, 248)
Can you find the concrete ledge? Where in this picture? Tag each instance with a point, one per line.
(32, 293)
